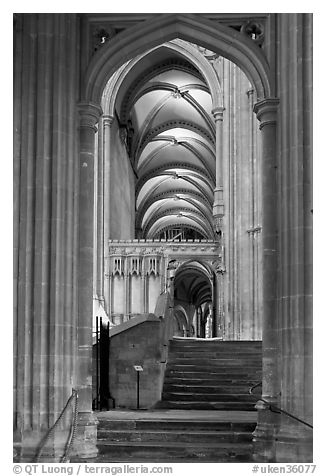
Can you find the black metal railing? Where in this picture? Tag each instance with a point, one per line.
(103, 399)
(275, 408)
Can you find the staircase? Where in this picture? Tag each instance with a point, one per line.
(211, 375)
(206, 413)
(203, 437)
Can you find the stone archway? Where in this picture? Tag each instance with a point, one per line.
(242, 51)
(181, 319)
(194, 288)
(218, 38)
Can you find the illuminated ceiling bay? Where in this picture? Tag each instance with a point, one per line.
(192, 283)
(165, 105)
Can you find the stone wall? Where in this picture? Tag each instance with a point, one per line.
(139, 345)
(122, 190)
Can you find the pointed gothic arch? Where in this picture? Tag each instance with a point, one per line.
(221, 39)
(242, 51)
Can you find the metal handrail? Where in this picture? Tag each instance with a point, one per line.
(272, 407)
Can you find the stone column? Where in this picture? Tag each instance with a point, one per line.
(264, 436)
(199, 318)
(229, 176)
(146, 297)
(86, 436)
(99, 217)
(108, 288)
(219, 288)
(218, 207)
(107, 122)
(254, 223)
(214, 307)
(143, 293)
(45, 180)
(128, 284)
(295, 83)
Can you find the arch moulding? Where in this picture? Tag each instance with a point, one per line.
(221, 39)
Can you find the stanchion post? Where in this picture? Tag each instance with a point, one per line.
(138, 369)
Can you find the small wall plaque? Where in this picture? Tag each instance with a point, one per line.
(138, 368)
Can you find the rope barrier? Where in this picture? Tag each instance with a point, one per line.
(275, 409)
(73, 428)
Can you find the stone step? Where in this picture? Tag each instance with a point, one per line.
(212, 367)
(208, 397)
(212, 381)
(177, 425)
(206, 369)
(157, 451)
(213, 354)
(104, 458)
(210, 373)
(230, 362)
(201, 388)
(215, 348)
(208, 342)
(206, 405)
(216, 360)
(173, 436)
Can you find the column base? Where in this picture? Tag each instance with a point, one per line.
(264, 436)
(278, 439)
(294, 443)
(27, 445)
(86, 436)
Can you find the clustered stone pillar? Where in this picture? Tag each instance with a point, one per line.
(264, 436)
(295, 85)
(254, 224)
(218, 215)
(86, 436)
(242, 208)
(214, 306)
(218, 207)
(219, 290)
(98, 285)
(144, 290)
(45, 182)
(107, 122)
(198, 317)
(127, 295)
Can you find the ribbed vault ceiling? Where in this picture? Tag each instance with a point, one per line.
(166, 106)
(192, 281)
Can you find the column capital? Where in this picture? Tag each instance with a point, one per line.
(266, 111)
(89, 114)
(250, 92)
(218, 113)
(107, 120)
